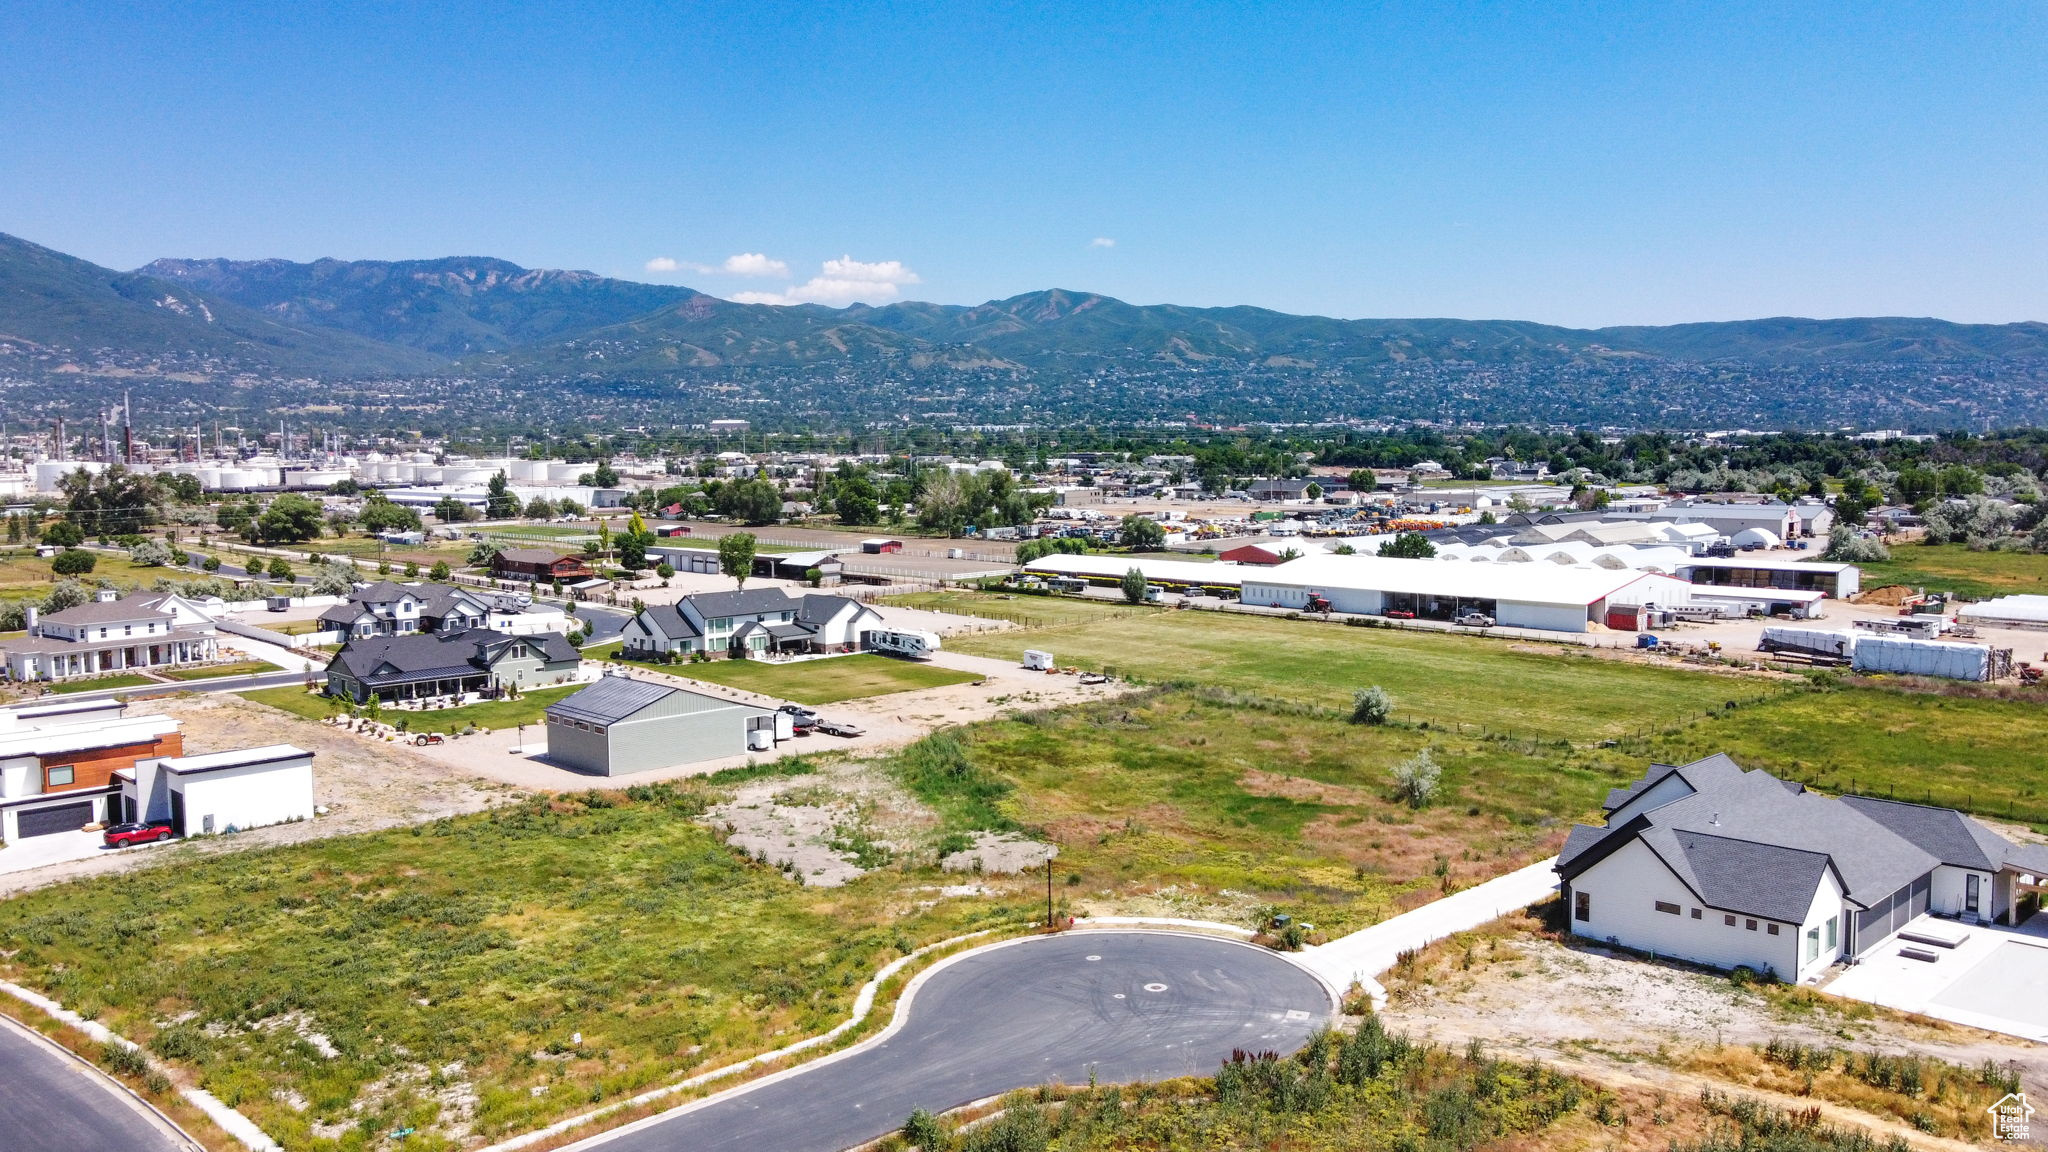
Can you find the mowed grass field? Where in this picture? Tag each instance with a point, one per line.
(1544, 691)
(1954, 568)
(1029, 611)
(339, 990)
(824, 681)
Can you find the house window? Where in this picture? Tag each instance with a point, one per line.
(1666, 907)
(1749, 925)
(1830, 941)
(1695, 913)
(59, 776)
(1582, 906)
(1771, 928)
(1729, 920)
(1812, 944)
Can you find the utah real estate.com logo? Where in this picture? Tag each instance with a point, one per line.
(2009, 1117)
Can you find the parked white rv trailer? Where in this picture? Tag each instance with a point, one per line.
(1036, 660)
(908, 643)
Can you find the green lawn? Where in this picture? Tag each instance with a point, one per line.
(1536, 690)
(824, 681)
(1954, 568)
(127, 680)
(1028, 610)
(526, 709)
(213, 671)
(460, 957)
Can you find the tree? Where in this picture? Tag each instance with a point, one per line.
(855, 501)
(736, 556)
(115, 502)
(440, 570)
(666, 571)
(73, 562)
(605, 476)
(540, 508)
(13, 529)
(749, 501)
(280, 569)
(1141, 534)
(290, 519)
(499, 502)
(633, 549)
(483, 555)
(449, 510)
(1314, 491)
(604, 538)
(1845, 546)
(381, 515)
(1409, 546)
(1362, 480)
(211, 564)
(1416, 778)
(1372, 706)
(151, 554)
(67, 594)
(63, 534)
(236, 516)
(412, 570)
(1133, 585)
(334, 578)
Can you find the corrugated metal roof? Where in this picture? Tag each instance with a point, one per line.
(1517, 583)
(609, 701)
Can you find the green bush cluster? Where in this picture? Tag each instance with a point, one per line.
(1759, 1127)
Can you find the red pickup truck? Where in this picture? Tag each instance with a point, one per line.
(126, 835)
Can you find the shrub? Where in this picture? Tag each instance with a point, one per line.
(1416, 779)
(74, 562)
(1374, 706)
(924, 1132)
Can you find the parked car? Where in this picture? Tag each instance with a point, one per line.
(840, 728)
(1398, 614)
(1474, 620)
(127, 835)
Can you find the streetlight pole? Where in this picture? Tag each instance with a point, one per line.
(1048, 891)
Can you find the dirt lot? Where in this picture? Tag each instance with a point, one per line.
(1633, 1023)
(361, 784)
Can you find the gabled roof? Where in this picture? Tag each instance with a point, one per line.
(819, 609)
(533, 556)
(745, 602)
(125, 610)
(439, 600)
(382, 592)
(1765, 880)
(668, 620)
(382, 659)
(608, 701)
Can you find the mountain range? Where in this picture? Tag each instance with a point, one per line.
(478, 316)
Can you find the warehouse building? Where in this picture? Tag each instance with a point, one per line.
(1840, 581)
(1173, 575)
(2007, 612)
(1541, 596)
(618, 726)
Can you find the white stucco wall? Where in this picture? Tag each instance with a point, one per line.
(1945, 892)
(1827, 905)
(1624, 889)
(247, 797)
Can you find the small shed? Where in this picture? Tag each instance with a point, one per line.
(221, 791)
(878, 546)
(619, 726)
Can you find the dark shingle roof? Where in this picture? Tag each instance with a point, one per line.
(608, 701)
(1766, 880)
(532, 555)
(382, 592)
(745, 602)
(669, 621)
(817, 608)
(390, 659)
(1943, 833)
(106, 612)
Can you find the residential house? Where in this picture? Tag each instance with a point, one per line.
(111, 633)
(1712, 864)
(220, 791)
(541, 564)
(446, 664)
(751, 622)
(59, 762)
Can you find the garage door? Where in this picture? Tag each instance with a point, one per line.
(58, 818)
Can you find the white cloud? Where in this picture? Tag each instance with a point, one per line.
(1102, 242)
(662, 264)
(841, 282)
(753, 264)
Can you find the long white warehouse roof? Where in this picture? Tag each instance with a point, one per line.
(2026, 609)
(1518, 583)
(1180, 571)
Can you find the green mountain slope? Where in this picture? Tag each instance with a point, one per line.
(59, 302)
(456, 306)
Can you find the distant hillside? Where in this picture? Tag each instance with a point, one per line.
(457, 306)
(63, 305)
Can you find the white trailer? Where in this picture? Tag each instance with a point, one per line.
(1815, 642)
(1036, 660)
(1908, 656)
(908, 643)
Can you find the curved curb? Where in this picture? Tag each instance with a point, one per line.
(100, 1074)
(898, 1019)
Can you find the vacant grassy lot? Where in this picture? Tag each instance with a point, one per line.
(526, 709)
(1552, 692)
(1983, 755)
(1954, 568)
(433, 977)
(1030, 611)
(824, 681)
(24, 574)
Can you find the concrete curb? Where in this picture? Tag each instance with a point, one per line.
(232, 1122)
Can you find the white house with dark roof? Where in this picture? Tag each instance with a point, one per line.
(1712, 864)
(112, 633)
(753, 622)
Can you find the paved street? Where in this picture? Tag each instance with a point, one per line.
(51, 1103)
(1122, 1006)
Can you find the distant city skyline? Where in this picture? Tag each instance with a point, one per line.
(1598, 166)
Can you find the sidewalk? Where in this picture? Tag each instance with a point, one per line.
(1370, 951)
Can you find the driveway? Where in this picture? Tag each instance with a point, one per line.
(53, 1103)
(57, 848)
(1117, 1006)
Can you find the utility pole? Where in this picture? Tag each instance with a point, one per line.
(1048, 891)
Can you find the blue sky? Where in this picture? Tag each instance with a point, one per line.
(1578, 164)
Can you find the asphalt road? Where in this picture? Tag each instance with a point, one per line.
(1123, 1006)
(49, 1102)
